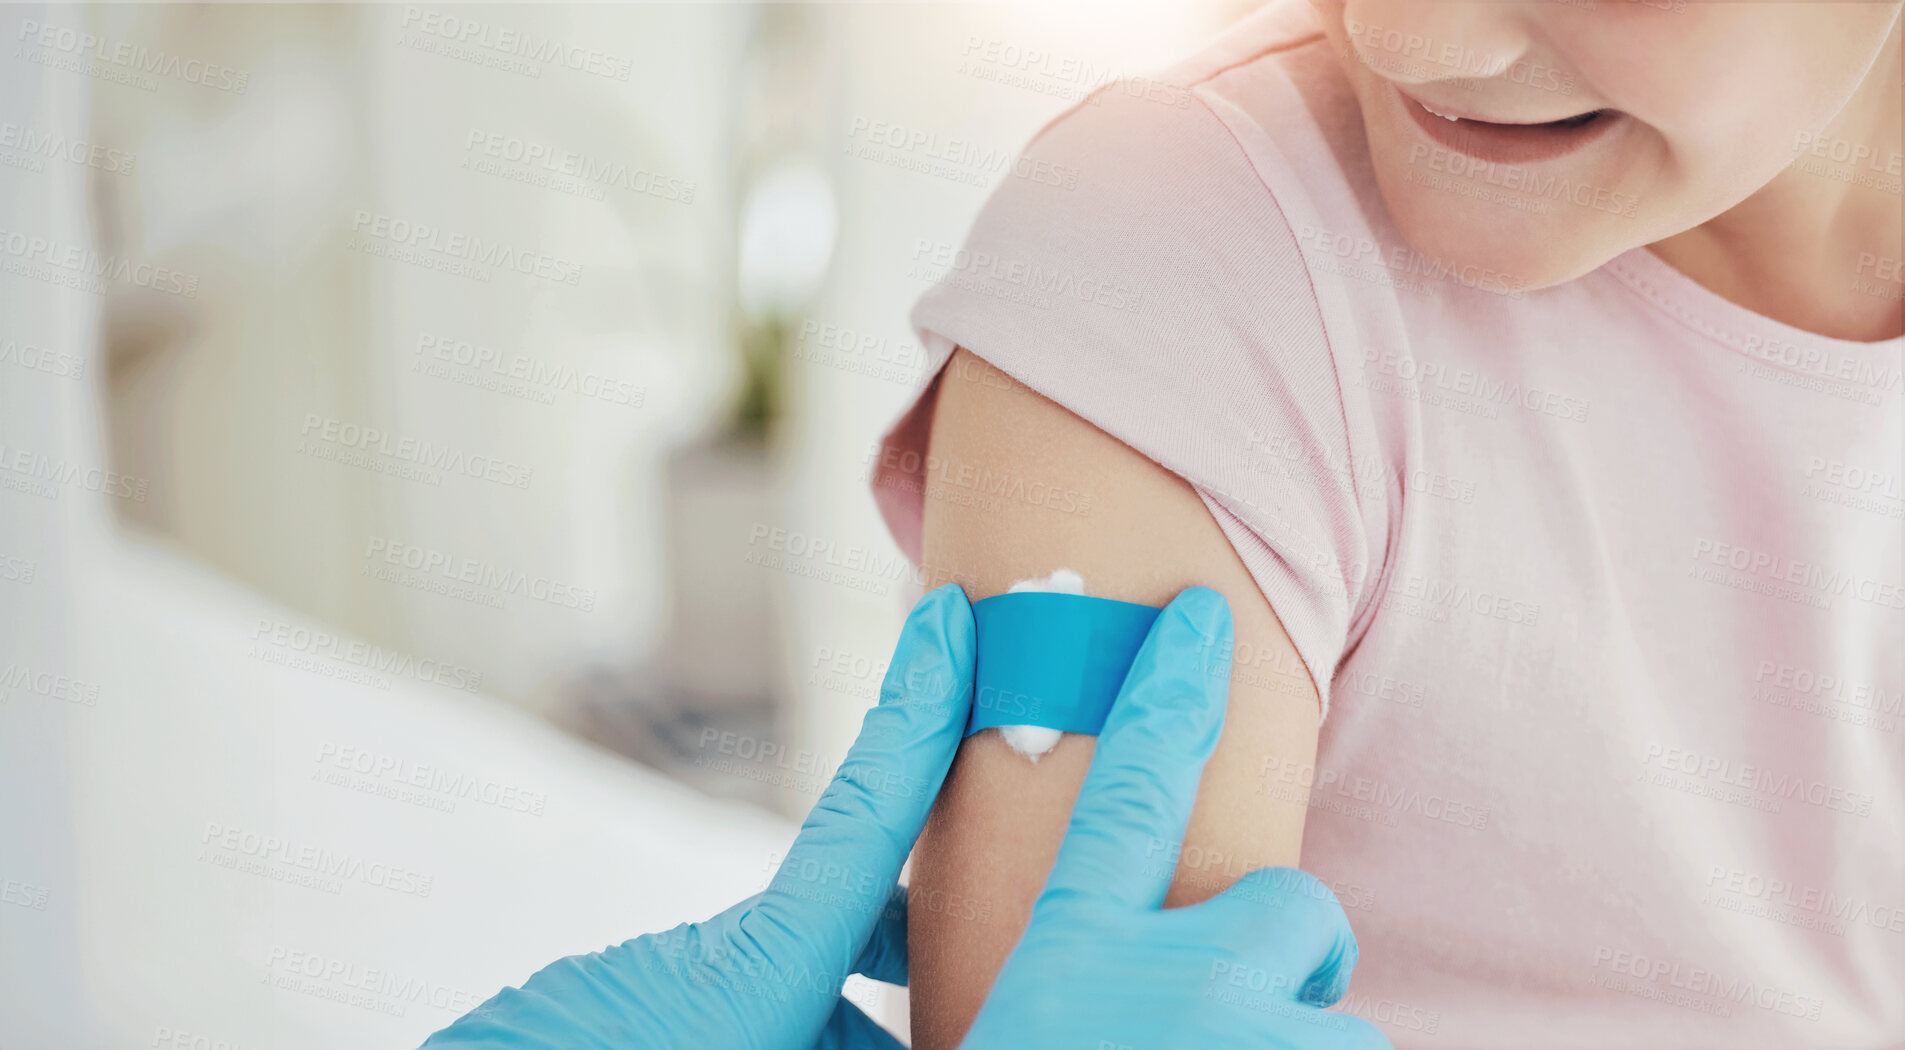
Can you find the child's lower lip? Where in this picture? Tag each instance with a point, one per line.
(1506, 143)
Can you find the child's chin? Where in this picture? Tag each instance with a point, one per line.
(1498, 248)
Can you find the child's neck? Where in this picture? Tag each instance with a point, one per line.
(1814, 249)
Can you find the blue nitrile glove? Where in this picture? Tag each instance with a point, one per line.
(1101, 966)
(767, 972)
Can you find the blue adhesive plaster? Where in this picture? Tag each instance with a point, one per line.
(1052, 660)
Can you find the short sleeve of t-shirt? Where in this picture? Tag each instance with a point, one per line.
(1138, 272)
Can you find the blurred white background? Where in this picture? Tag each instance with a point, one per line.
(452, 385)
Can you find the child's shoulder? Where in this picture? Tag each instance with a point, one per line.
(1262, 115)
(1272, 33)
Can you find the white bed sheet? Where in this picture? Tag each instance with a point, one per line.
(156, 913)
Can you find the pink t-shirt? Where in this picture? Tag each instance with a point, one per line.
(1602, 583)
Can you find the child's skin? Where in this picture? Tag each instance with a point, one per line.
(1707, 106)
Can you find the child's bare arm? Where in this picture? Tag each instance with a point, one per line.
(996, 827)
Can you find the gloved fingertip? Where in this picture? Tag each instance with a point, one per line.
(944, 602)
(1330, 981)
(1205, 609)
(1199, 621)
(1206, 614)
(935, 654)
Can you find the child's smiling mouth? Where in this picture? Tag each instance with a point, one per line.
(1505, 142)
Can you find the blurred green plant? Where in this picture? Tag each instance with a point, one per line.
(762, 399)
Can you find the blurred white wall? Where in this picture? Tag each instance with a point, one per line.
(326, 196)
(326, 209)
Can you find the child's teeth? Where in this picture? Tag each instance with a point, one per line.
(1444, 116)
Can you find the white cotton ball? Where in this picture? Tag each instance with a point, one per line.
(1061, 581)
(1031, 741)
(1035, 741)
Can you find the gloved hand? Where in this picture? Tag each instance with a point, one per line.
(767, 972)
(1101, 965)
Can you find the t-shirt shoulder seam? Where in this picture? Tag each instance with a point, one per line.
(1309, 276)
(1296, 537)
(1267, 50)
(1316, 300)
